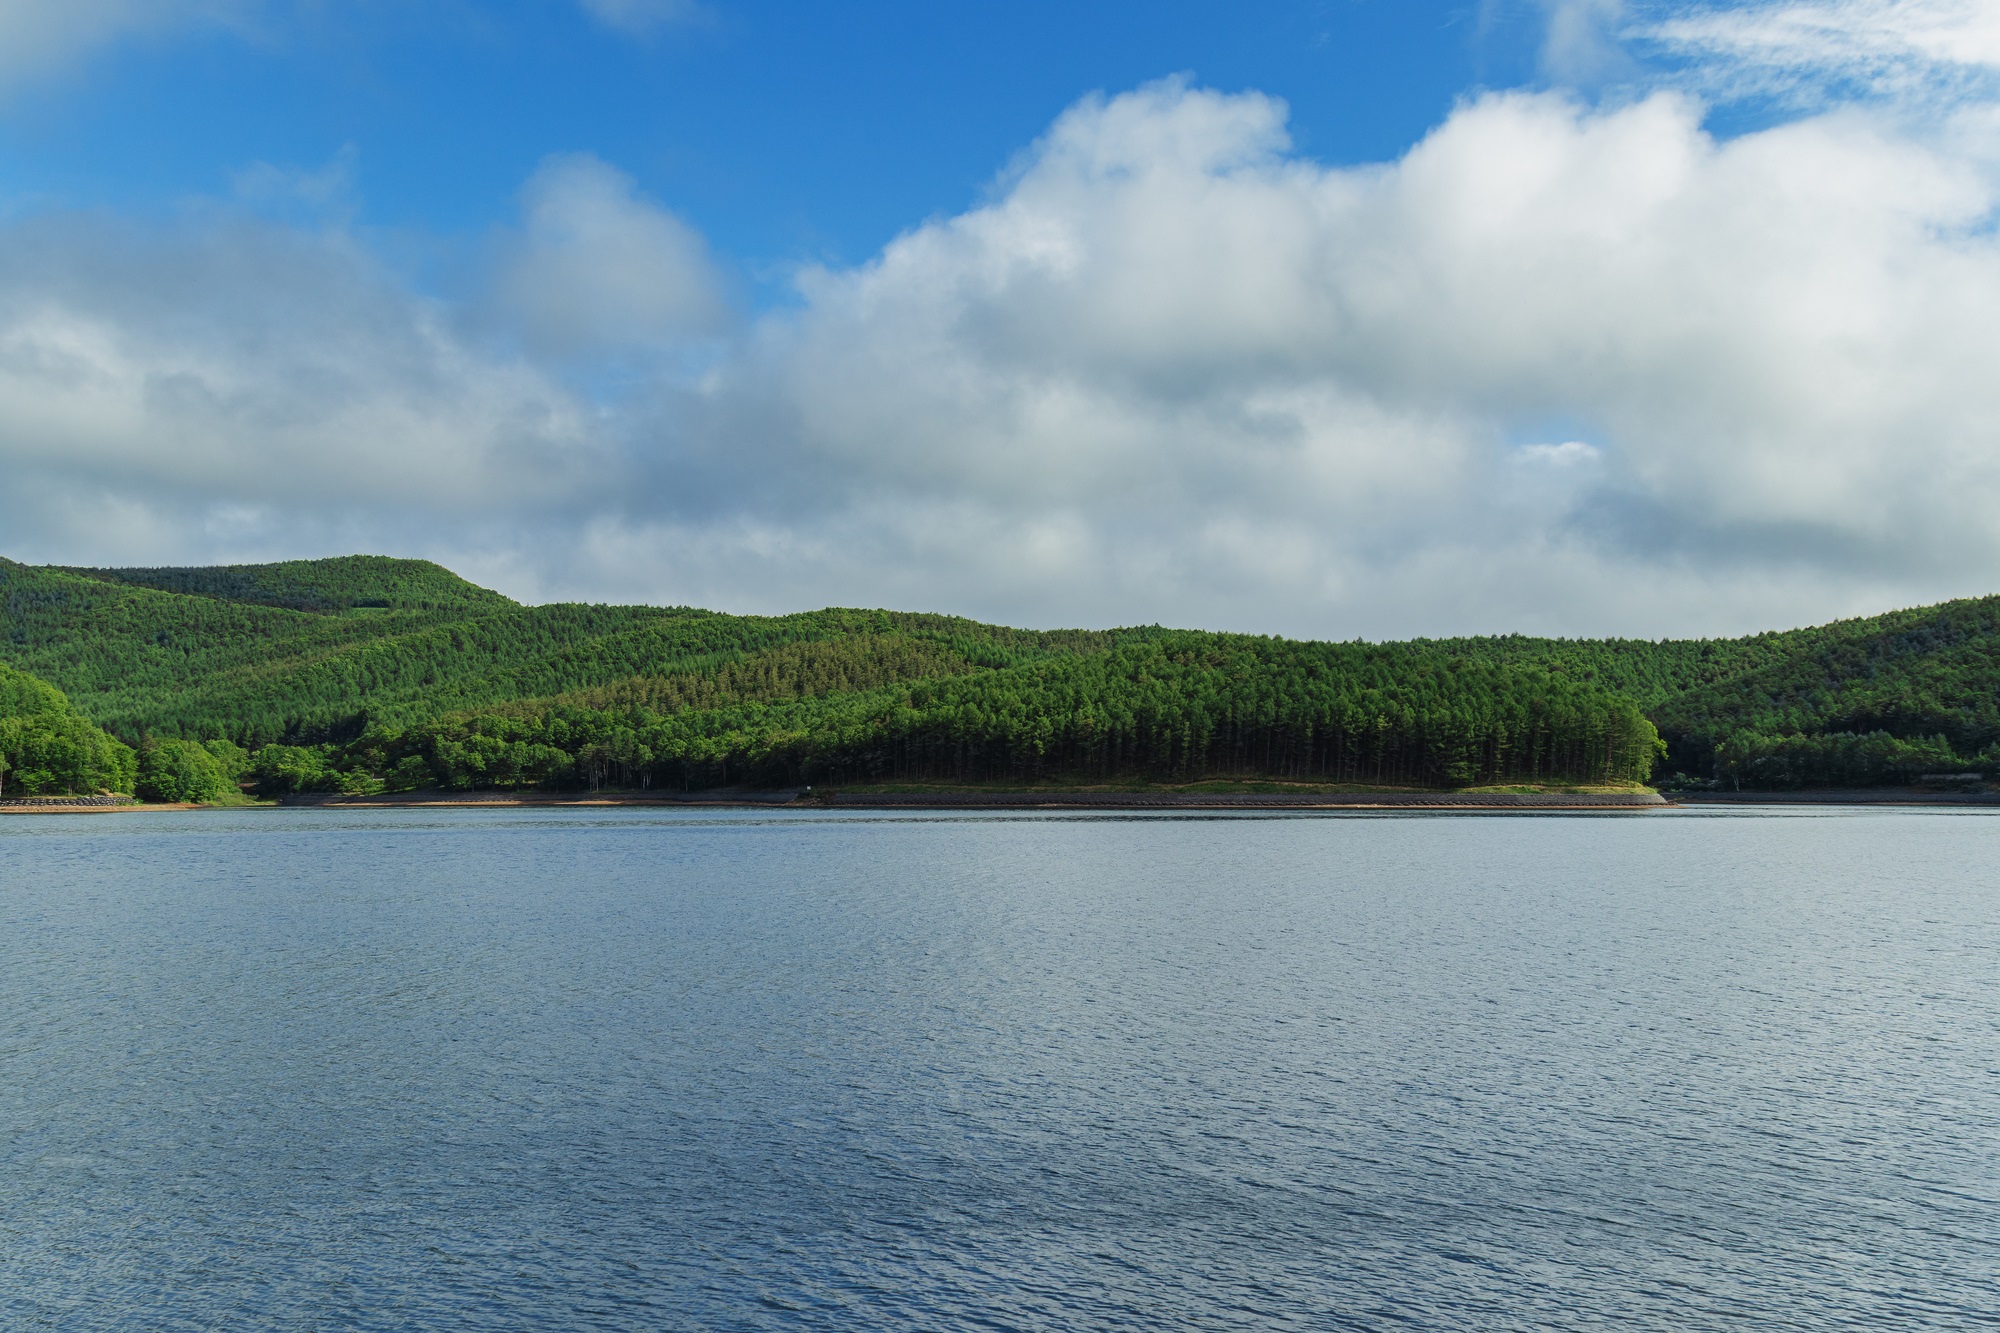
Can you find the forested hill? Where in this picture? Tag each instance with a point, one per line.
(47, 746)
(360, 681)
(148, 662)
(367, 670)
(1875, 700)
(366, 582)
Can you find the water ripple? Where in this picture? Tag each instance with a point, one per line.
(633, 1069)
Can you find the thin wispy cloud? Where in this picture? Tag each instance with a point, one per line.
(42, 39)
(1839, 47)
(640, 18)
(1580, 42)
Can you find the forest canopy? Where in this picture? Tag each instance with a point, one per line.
(48, 748)
(369, 673)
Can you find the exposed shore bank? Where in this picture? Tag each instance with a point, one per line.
(79, 805)
(1839, 796)
(1039, 800)
(1008, 800)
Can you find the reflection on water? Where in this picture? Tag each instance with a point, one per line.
(648, 1069)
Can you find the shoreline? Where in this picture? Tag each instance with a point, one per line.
(1469, 802)
(95, 806)
(1840, 796)
(1004, 800)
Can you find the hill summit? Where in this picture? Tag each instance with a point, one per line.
(343, 583)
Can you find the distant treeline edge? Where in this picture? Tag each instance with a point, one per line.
(368, 673)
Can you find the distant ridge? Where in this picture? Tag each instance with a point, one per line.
(399, 673)
(342, 583)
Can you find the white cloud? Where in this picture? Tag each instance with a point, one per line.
(1174, 371)
(1558, 368)
(641, 17)
(39, 37)
(598, 267)
(1568, 454)
(287, 188)
(234, 386)
(1580, 44)
(1820, 47)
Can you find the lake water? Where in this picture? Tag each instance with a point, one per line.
(511, 1070)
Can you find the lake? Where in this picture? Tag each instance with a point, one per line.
(634, 1069)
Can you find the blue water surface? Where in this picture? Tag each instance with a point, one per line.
(516, 1070)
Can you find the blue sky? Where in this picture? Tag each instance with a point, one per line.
(1337, 318)
(783, 131)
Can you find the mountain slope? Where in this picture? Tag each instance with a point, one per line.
(47, 747)
(395, 662)
(147, 661)
(1856, 702)
(1173, 705)
(344, 583)
(1928, 672)
(143, 660)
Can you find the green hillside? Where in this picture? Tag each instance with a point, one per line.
(367, 671)
(1857, 702)
(346, 583)
(47, 747)
(148, 662)
(1646, 671)
(1863, 702)
(1171, 705)
(143, 661)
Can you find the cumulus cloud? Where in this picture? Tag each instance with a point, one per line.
(232, 386)
(597, 267)
(1175, 371)
(1560, 367)
(38, 37)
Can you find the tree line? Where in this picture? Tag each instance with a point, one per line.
(366, 671)
(48, 748)
(1171, 706)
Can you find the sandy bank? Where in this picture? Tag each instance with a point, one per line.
(1831, 796)
(1004, 800)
